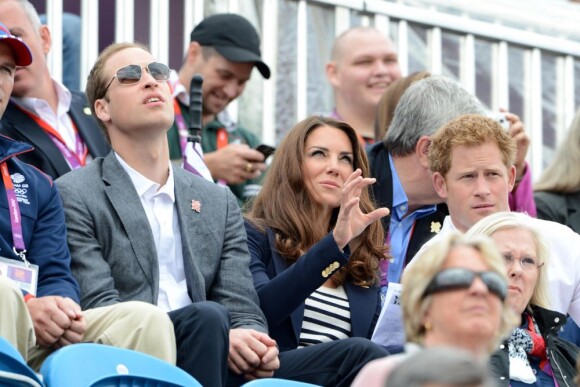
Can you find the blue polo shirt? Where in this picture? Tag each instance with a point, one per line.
(401, 228)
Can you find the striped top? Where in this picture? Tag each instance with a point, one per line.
(326, 317)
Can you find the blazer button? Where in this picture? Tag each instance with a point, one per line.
(335, 265)
(324, 273)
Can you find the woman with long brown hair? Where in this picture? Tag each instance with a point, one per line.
(315, 240)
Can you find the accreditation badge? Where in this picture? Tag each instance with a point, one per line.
(25, 276)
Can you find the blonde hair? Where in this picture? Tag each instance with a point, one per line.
(96, 81)
(563, 174)
(468, 130)
(423, 269)
(506, 220)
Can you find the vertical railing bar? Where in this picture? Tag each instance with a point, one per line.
(54, 21)
(124, 21)
(435, 50)
(89, 38)
(403, 47)
(301, 61)
(269, 51)
(467, 62)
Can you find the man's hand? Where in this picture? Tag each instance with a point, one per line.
(74, 334)
(522, 140)
(235, 163)
(52, 316)
(252, 353)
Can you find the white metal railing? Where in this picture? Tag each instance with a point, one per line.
(384, 15)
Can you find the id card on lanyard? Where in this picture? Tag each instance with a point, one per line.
(23, 273)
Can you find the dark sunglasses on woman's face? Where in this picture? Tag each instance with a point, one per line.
(459, 278)
(131, 74)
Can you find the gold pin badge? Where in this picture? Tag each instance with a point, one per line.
(435, 227)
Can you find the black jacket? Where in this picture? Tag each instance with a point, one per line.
(46, 156)
(383, 195)
(561, 208)
(561, 354)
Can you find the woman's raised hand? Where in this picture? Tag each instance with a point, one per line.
(351, 220)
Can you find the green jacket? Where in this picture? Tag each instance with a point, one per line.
(239, 135)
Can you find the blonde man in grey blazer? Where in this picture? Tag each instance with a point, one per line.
(139, 229)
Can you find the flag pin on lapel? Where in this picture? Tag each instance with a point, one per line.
(196, 205)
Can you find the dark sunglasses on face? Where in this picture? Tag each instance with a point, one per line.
(458, 278)
(131, 74)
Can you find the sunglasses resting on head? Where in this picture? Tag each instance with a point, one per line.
(131, 74)
(459, 278)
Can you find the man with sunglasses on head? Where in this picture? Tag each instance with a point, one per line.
(42, 111)
(224, 49)
(140, 229)
(472, 160)
(39, 298)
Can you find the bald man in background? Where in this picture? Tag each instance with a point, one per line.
(363, 63)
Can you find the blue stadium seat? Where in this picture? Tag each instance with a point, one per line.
(14, 372)
(96, 365)
(273, 382)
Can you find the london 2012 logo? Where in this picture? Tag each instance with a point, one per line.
(20, 188)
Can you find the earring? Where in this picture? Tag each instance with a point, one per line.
(428, 326)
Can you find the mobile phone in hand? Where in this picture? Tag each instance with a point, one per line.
(266, 150)
(501, 118)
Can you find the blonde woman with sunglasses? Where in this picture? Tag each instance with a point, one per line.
(454, 295)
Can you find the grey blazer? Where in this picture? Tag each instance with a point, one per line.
(113, 253)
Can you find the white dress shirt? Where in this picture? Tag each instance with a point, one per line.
(60, 120)
(563, 266)
(159, 205)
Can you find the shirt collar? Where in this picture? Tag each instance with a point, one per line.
(400, 200)
(178, 90)
(147, 188)
(33, 104)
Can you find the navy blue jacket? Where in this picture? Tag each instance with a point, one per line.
(283, 288)
(43, 226)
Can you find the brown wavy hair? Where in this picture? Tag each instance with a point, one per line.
(285, 206)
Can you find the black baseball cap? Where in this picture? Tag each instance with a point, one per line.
(22, 55)
(233, 37)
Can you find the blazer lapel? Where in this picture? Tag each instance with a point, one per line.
(87, 127)
(382, 190)
(297, 317)
(362, 308)
(36, 136)
(572, 201)
(185, 193)
(123, 196)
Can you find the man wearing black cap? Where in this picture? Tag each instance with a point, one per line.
(224, 49)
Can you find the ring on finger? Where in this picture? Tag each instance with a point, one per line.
(249, 167)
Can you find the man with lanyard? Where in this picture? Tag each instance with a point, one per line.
(42, 111)
(363, 63)
(224, 49)
(38, 295)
